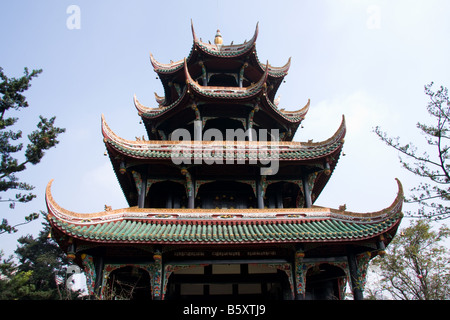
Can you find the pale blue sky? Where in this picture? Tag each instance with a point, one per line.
(368, 60)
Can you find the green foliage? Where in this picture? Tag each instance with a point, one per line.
(16, 286)
(433, 194)
(416, 266)
(40, 273)
(44, 138)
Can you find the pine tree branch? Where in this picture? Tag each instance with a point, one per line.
(44, 138)
(6, 228)
(403, 149)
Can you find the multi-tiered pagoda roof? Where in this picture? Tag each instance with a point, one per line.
(243, 79)
(199, 194)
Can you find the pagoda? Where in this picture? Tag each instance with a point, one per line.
(221, 199)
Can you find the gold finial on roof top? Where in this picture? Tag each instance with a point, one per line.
(218, 39)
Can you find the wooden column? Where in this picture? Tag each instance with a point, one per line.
(89, 271)
(259, 193)
(241, 74)
(156, 271)
(204, 77)
(198, 128)
(191, 201)
(307, 191)
(99, 265)
(250, 129)
(354, 275)
(143, 191)
(381, 247)
(299, 273)
(189, 188)
(198, 124)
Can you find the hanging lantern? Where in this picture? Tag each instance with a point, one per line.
(71, 250)
(327, 169)
(122, 169)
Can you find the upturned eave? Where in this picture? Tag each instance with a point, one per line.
(224, 226)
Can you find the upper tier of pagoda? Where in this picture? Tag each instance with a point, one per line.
(219, 81)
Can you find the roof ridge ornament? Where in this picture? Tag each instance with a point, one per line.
(383, 214)
(194, 36)
(218, 40)
(218, 49)
(300, 112)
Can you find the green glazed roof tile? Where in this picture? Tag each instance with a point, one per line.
(226, 231)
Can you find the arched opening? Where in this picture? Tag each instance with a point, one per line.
(325, 282)
(282, 195)
(129, 283)
(167, 194)
(225, 195)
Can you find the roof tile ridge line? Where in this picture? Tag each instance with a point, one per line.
(337, 136)
(386, 213)
(194, 35)
(110, 136)
(274, 71)
(60, 213)
(146, 145)
(189, 81)
(154, 112)
(159, 100)
(140, 107)
(159, 66)
(255, 36)
(302, 112)
(248, 45)
(174, 66)
(145, 110)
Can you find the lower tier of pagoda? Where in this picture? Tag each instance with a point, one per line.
(239, 226)
(174, 252)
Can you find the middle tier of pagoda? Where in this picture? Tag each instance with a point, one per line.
(235, 164)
